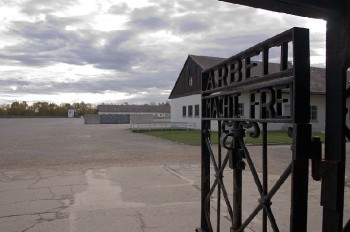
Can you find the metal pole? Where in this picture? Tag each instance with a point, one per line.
(205, 176)
(301, 131)
(237, 184)
(237, 199)
(219, 187)
(264, 167)
(332, 197)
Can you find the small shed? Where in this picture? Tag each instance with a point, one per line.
(71, 112)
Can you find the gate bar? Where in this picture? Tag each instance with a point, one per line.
(265, 173)
(337, 61)
(219, 187)
(237, 186)
(301, 130)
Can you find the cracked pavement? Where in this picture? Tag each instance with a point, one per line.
(97, 200)
(104, 178)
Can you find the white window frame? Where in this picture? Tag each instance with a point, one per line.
(190, 111)
(196, 113)
(190, 81)
(313, 112)
(184, 111)
(241, 109)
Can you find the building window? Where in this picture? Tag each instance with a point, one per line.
(184, 111)
(241, 109)
(196, 110)
(190, 81)
(286, 110)
(190, 111)
(313, 113)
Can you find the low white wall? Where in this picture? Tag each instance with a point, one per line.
(92, 119)
(141, 118)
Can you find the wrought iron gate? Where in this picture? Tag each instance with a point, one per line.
(224, 87)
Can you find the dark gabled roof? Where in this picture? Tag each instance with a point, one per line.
(202, 63)
(317, 75)
(206, 62)
(134, 108)
(317, 80)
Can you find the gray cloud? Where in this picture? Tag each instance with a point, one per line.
(14, 82)
(149, 18)
(204, 27)
(48, 42)
(187, 25)
(135, 82)
(35, 7)
(119, 9)
(150, 23)
(43, 42)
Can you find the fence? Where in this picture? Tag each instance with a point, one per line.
(163, 126)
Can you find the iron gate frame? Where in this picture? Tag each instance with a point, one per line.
(225, 80)
(332, 167)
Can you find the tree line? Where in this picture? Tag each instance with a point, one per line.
(45, 109)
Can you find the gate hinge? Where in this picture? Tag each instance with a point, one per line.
(320, 168)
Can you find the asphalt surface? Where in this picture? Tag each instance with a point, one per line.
(32, 143)
(62, 175)
(37, 143)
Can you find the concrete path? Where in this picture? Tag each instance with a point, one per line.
(114, 199)
(152, 198)
(147, 185)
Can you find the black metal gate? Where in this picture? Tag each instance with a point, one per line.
(268, 91)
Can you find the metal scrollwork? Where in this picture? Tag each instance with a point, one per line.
(255, 133)
(232, 129)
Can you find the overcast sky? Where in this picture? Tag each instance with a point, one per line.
(116, 51)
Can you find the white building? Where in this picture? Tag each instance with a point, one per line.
(186, 94)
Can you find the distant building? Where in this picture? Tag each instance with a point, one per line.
(186, 94)
(120, 114)
(71, 112)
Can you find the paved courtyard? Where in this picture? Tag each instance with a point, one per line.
(62, 175)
